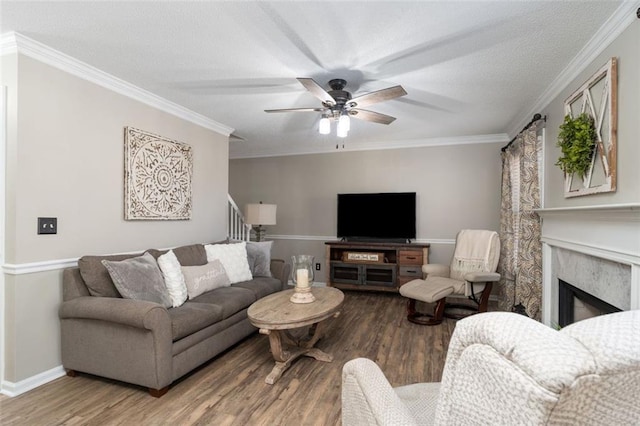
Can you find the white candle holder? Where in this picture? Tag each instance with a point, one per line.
(302, 295)
(302, 277)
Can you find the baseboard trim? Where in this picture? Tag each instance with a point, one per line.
(12, 389)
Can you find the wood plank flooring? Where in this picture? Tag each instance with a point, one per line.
(230, 389)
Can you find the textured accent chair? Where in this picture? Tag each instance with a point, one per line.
(471, 273)
(503, 368)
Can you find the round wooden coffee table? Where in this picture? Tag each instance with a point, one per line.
(276, 317)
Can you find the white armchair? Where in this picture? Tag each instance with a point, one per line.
(506, 369)
(471, 273)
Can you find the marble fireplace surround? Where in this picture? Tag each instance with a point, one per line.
(594, 248)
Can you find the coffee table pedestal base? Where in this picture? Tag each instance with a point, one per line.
(295, 348)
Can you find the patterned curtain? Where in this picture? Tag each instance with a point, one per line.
(521, 249)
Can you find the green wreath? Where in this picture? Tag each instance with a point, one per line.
(576, 139)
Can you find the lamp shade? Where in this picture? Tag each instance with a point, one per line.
(260, 214)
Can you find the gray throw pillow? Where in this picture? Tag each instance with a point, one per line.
(139, 278)
(200, 279)
(259, 257)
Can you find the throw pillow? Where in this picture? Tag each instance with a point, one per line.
(139, 278)
(259, 258)
(173, 279)
(200, 279)
(234, 259)
(96, 276)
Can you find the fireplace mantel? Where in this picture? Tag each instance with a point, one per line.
(610, 232)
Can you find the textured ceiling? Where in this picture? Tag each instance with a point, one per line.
(471, 68)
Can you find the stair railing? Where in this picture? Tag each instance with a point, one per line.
(237, 229)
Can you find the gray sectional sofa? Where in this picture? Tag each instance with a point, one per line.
(142, 342)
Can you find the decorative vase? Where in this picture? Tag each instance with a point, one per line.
(302, 277)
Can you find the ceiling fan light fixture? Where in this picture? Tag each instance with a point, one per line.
(345, 121)
(342, 128)
(325, 125)
(338, 104)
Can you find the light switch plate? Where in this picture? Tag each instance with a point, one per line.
(47, 225)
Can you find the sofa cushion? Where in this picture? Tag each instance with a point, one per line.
(261, 286)
(259, 258)
(200, 279)
(192, 317)
(189, 255)
(96, 277)
(230, 299)
(139, 278)
(233, 258)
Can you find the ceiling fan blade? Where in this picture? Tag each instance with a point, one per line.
(317, 91)
(374, 117)
(296, 110)
(378, 96)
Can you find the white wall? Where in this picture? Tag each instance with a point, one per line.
(625, 48)
(457, 187)
(65, 158)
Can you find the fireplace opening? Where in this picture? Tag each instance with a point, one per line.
(575, 304)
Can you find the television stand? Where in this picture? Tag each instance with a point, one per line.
(370, 265)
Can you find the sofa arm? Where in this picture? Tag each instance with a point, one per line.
(281, 271)
(134, 313)
(121, 339)
(368, 398)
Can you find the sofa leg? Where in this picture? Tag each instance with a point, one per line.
(157, 393)
(417, 317)
(72, 373)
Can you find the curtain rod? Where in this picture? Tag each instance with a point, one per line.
(535, 118)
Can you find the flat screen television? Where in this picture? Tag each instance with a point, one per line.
(377, 216)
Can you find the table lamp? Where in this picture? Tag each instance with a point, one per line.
(258, 215)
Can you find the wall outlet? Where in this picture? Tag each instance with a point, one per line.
(47, 225)
(317, 266)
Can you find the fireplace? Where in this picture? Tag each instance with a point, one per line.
(596, 250)
(575, 304)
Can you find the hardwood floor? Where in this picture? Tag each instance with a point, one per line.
(230, 389)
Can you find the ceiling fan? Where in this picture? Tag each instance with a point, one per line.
(338, 104)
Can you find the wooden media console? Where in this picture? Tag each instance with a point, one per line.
(373, 265)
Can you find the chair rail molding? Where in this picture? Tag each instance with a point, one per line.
(334, 238)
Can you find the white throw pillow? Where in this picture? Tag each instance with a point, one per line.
(200, 279)
(173, 278)
(234, 259)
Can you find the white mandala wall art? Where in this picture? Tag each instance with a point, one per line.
(157, 177)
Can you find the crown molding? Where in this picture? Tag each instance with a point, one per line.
(383, 145)
(607, 33)
(15, 42)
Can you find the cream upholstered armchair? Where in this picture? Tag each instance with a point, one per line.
(503, 368)
(471, 273)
